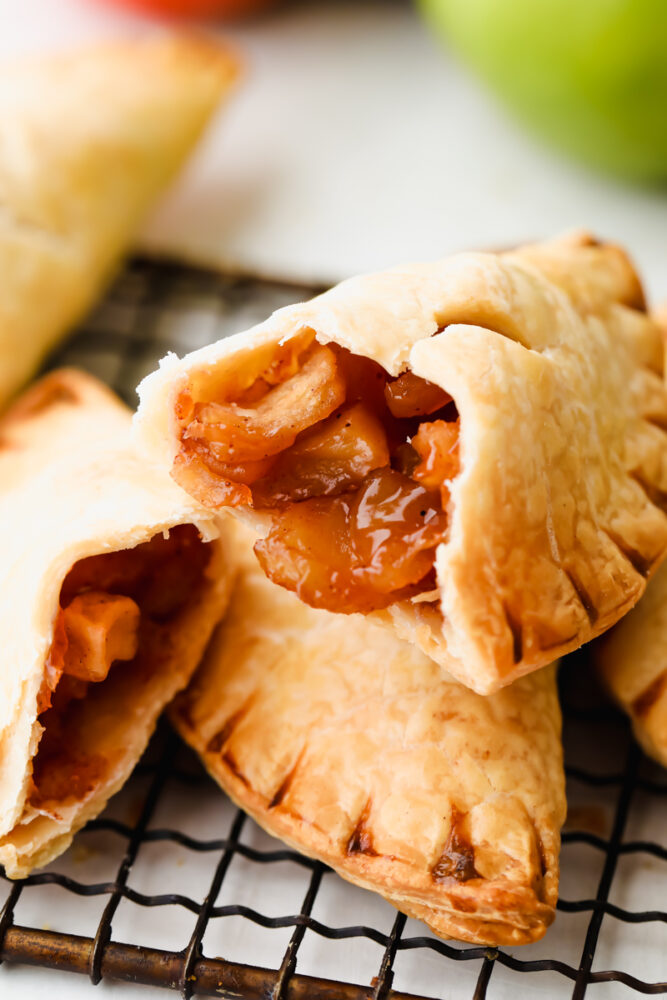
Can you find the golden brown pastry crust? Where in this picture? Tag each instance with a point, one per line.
(632, 662)
(355, 748)
(87, 142)
(70, 487)
(632, 658)
(557, 516)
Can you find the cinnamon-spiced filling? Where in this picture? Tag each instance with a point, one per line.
(351, 465)
(113, 608)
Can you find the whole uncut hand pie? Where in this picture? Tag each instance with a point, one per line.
(470, 449)
(88, 140)
(632, 657)
(355, 748)
(632, 661)
(111, 582)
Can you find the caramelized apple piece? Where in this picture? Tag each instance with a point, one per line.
(357, 508)
(243, 474)
(437, 445)
(412, 396)
(396, 523)
(195, 472)
(93, 631)
(248, 381)
(101, 600)
(358, 552)
(100, 629)
(259, 430)
(327, 459)
(286, 361)
(308, 551)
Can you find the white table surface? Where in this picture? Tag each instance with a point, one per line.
(352, 143)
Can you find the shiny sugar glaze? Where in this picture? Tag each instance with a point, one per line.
(350, 464)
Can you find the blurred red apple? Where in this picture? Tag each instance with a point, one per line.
(200, 8)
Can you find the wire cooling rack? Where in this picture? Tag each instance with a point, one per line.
(235, 914)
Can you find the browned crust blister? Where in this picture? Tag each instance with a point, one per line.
(354, 748)
(557, 517)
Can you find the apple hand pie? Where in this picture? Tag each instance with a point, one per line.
(355, 748)
(471, 449)
(111, 582)
(632, 661)
(88, 141)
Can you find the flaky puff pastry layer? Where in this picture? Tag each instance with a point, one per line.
(556, 517)
(70, 488)
(88, 140)
(354, 747)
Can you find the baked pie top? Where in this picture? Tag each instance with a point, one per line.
(470, 449)
(356, 748)
(88, 140)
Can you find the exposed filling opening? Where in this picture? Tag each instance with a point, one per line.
(115, 610)
(352, 465)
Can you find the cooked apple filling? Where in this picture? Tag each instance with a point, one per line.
(112, 610)
(351, 465)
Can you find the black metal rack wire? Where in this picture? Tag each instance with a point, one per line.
(154, 307)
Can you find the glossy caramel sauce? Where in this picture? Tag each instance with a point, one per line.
(351, 464)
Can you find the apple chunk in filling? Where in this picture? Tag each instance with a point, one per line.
(351, 466)
(114, 610)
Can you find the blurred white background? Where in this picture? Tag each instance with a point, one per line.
(353, 142)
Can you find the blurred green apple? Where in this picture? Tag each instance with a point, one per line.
(589, 75)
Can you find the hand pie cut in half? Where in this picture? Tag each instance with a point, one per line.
(471, 449)
(88, 140)
(355, 748)
(632, 661)
(111, 582)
